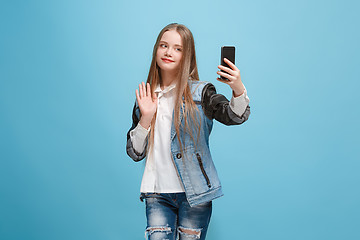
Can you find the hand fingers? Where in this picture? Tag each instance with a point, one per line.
(222, 80)
(144, 89)
(148, 91)
(141, 91)
(228, 76)
(226, 69)
(232, 65)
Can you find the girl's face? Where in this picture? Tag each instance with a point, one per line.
(169, 52)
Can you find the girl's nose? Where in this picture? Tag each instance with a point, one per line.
(168, 52)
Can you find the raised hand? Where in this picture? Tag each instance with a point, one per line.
(147, 104)
(233, 76)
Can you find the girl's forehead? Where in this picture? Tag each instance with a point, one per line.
(171, 36)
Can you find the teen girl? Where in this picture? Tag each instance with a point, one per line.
(172, 120)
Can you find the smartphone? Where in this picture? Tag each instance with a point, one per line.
(229, 53)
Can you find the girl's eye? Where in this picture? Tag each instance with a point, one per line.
(162, 45)
(178, 49)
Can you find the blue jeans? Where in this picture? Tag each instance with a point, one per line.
(169, 216)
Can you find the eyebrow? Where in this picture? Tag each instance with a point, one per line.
(167, 43)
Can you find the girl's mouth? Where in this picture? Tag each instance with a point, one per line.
(167, 60)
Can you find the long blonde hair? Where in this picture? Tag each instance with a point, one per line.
(188, 70)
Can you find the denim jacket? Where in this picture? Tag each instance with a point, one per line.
(194, 164)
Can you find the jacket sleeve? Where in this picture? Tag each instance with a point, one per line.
(216, 106)
(136, 156)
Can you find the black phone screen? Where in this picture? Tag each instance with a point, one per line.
(229, 53)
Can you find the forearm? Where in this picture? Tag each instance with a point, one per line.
(238, 104)
(217, 106)
(238, 90)
(136, 155)
(145, 121)
(138, 137)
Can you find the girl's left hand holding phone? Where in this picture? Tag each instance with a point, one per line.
(233, 76)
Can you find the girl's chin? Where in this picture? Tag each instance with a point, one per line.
(168, 69)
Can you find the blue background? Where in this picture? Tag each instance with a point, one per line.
(68, 74)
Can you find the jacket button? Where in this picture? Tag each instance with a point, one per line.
(178, 156)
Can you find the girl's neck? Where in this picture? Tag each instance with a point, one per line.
(167, 78)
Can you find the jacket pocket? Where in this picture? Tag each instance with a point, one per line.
(203, 170)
